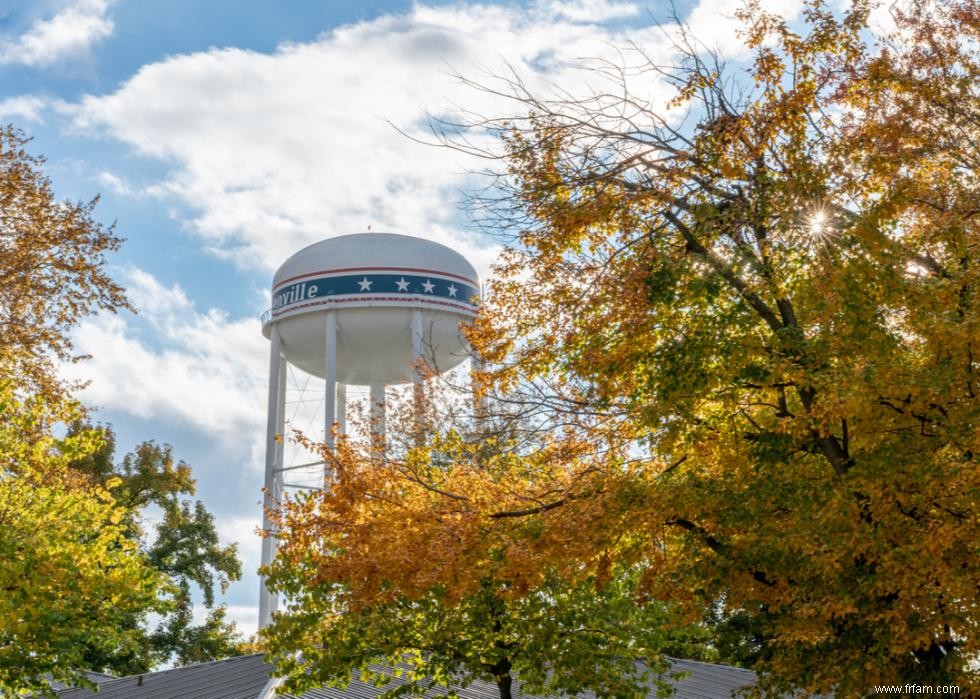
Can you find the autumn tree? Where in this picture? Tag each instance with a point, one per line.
(395, 572)
(184, 548)
(77, 573)
(69, 574)
(771, 283)
(744, 324)
(52, 267)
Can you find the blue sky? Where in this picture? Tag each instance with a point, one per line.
(224, 135)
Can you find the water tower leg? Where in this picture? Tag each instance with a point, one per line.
(273, 460)
(417, 378)
(378, 418)
(330, 375)
(341, 408)
(417, 341)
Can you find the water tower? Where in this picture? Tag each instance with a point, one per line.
(360, 310)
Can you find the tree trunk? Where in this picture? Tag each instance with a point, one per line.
(503, 685)
(501, 672)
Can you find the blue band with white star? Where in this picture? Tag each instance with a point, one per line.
(368, 285)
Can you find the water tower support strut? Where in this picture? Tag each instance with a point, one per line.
(417, 377)
(273, 461)
(330, 376)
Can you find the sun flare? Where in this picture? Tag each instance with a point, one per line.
(819, 228)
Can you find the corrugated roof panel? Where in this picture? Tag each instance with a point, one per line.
(707, 680)
(245, 676)
(97, 677)
(234, 678)
(701, 681)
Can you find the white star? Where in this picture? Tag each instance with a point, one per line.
(365, 284)
(428, 286)
(402, 284)
(452, 290)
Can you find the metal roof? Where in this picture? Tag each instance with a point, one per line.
(707, 680)
(97, 677)
(700, 681)
(235, 678)
(245, 676)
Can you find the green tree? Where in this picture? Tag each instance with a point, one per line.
(559, 639)
(70, 575)
(213, 639)
(184, 547)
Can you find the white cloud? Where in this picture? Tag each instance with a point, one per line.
(69, 34)
(242, 529)
(202, 370)
(882, 19)
(274, 151)
(590, 10)
(245, 616)
(26, 107)
(115, 183)
(270, 152)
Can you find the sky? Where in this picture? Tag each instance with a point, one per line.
(222, 136)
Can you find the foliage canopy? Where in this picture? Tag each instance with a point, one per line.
(52, 266)
(393, 572)
(78, 576)
(778, 297)
(184, 548)
(770, 286)
(558, 639)
(69, 574)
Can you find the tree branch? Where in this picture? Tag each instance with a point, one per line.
(715, 545)
(725, 271)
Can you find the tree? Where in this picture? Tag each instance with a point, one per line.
(75, 582)
(778, 297)
(375, 580)
(52, 267)
(769, 286)
(559, 639)
(214, 639)
(185, 549)
(69, 574)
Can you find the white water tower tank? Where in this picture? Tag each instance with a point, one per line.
(374, 282)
